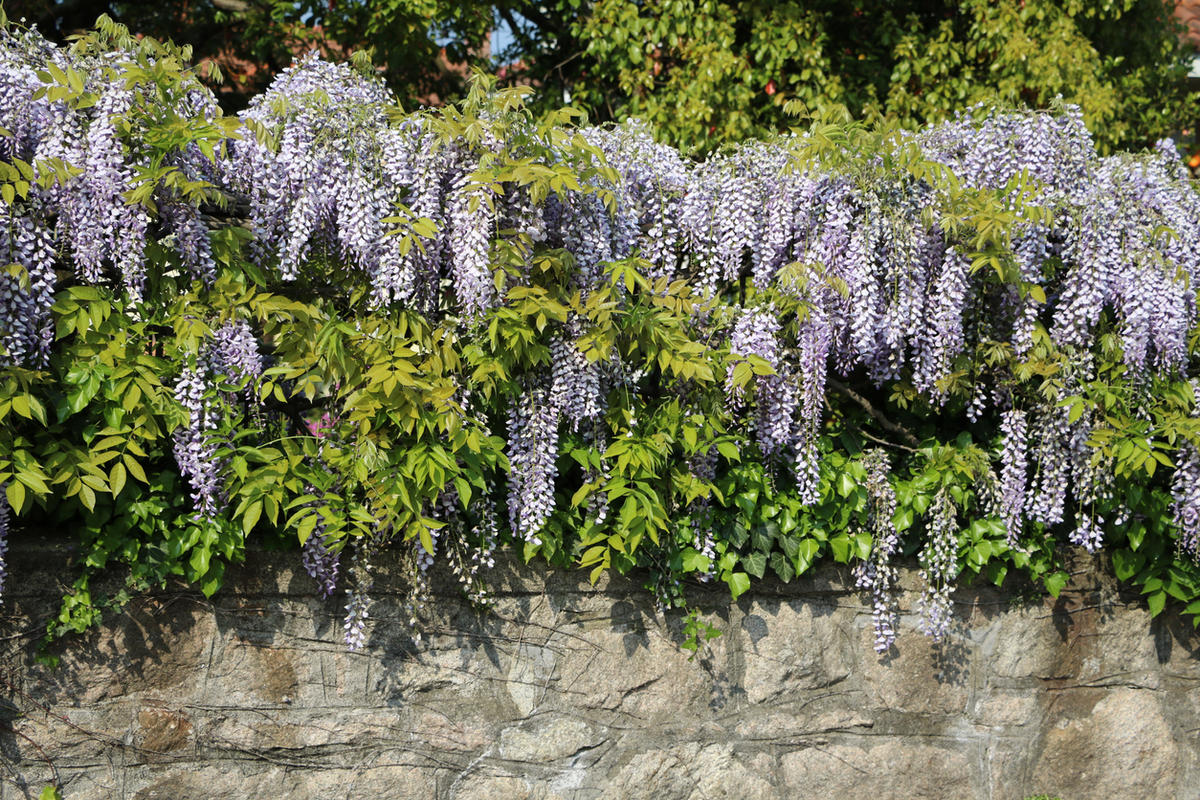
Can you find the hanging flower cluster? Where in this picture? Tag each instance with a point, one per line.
(877, 574)
(230, 356)
(939, 566)
(358, 602)
(320, 562)
(5, 515)
(76, 141)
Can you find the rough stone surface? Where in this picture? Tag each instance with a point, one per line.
(565, 691)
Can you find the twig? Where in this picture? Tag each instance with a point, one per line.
(886, 443)
(875, 413)
(42, 754)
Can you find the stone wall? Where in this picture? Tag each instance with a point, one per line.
(570, 691)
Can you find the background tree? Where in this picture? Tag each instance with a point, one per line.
(707, 71)
(711, 71)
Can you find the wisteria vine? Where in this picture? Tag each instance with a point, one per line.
(993, 278)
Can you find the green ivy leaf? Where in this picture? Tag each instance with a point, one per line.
(755, 563)
(1055, 582)
(806, 553)
(213, 578)
(1157, 601)
(1126, 564)
(782, 566)
(694, 561)
(739, 583)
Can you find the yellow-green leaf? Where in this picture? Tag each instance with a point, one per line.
(15, 491)
(116, 478)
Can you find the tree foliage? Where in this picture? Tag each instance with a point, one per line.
(709, 71)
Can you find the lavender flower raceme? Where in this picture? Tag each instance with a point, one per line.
(939, 565)
(358, 603)
(233, 353)
(471, 218)
(878, 574)
(703, 467)
(25, 326)
(1185, 491)
(1089, 531)
(5, 522)
(319, 561)
(533, 451)
(755, 333)
(575, 383)
(1013, 473)
(195, 450)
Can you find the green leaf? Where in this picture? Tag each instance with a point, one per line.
(135, 469)
(212, 579)
(116, 479)
(739, 583)
(15, 491)
(20, 404)
(692, 560)
(199, 559)
(805, 554)
(251, 516)
(1055, 582)
(840, 545)
(755, 563)
(728, 449)
(1126, 564)
(1136, 533)
(1157, 602)
(84, 390)
(34, 481)
(782, 566)
(87, 496)
(863, 542)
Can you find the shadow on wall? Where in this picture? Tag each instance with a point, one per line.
(566, 690)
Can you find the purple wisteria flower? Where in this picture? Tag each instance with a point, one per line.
(195, 448)
(939, 565)
(320, 562)
(877, 574)
(358, 602)
(5, 522)
(533, 452)
(1013, 473)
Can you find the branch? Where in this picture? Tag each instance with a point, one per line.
(531, 12)
(872, 437)
(876, 414)
(519, 33)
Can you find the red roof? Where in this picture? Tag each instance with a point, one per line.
(1188, 12)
